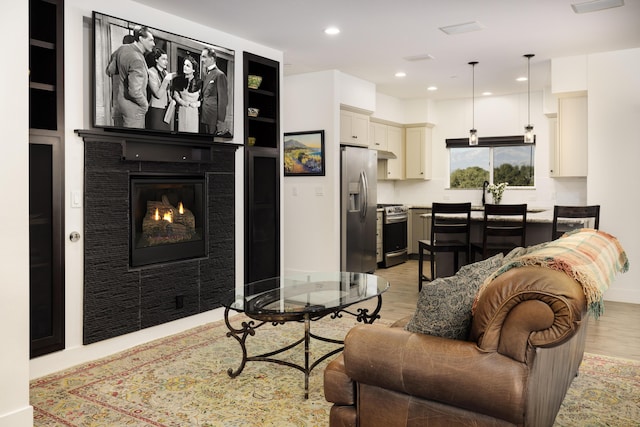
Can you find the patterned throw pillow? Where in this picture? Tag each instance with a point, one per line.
(444, 305)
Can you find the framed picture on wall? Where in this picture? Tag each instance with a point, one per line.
(304, 153)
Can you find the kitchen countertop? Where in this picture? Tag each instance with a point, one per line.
(534, 215)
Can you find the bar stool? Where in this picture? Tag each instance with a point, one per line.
(450, 231)
(504, 228)
(591, 213)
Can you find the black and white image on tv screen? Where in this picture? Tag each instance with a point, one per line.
(150, 79)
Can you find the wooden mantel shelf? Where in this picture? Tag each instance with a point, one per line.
(160, 147)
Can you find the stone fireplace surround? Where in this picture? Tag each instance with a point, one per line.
(119, 299)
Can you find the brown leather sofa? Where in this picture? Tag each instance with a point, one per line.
(526, 344)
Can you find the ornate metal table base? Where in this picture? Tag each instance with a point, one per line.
(248, 328)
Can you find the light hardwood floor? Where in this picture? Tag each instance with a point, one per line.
(616, 333)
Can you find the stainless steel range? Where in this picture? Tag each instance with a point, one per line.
(394, 234)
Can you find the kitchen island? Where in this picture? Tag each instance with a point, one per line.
(539, 224)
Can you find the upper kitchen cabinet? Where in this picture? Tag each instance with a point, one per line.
(568, 144)
(418, 152)
(378, 136)
(354, 128)
(395, 144)
(393, 168)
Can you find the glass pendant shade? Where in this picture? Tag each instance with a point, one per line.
(528, 134)
(473, 137)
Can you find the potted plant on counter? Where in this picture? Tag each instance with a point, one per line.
(496, 191)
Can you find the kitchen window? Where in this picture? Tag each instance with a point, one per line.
(496, 159)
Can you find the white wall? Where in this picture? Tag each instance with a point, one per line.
(311, 210)
(78, 116)
(311, 204)
(569, 74)
(355, 92)
(389, 108)
(614, 157)
(15, 410)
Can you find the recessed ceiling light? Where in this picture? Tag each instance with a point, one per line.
(432, 88)
(332, 31)
(487, 93)
(401, 74)
(462, 28)
(521, 79)
(595, 5)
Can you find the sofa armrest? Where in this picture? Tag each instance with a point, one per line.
(339, 388)
(452, 372)
(527, 307)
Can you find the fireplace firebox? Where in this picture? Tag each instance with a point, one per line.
(168, 218)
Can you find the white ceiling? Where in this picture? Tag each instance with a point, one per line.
(378, 35)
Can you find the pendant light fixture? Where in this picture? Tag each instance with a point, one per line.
(528, 129)
(473, 133)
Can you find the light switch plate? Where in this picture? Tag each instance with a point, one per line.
(76, 199)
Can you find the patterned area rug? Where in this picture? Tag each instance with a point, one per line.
(182, 381)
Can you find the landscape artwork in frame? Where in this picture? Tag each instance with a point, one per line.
(304, 153)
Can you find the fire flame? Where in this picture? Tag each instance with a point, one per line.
(181, 208)
(157, 215)
(168, 216)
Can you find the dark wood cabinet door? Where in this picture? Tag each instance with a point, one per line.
(46, 246)
(46, 177)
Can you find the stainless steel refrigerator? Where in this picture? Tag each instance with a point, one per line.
(358, 201)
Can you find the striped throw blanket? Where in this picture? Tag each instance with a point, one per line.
(589, 256)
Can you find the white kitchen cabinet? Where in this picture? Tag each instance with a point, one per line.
(385, 137)
(354, 128)
(395, 144)
(568, 144)
(379, 257)
(418, 152)
(378, 136)
(419, 228)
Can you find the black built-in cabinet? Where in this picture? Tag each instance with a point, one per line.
(262, 169)
(46, 176)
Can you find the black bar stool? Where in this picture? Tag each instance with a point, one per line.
(450, 231)
(504, 228)
(575, 212)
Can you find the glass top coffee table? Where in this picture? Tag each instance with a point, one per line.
(304, 298)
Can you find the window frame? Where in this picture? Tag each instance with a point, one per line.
(490, 142)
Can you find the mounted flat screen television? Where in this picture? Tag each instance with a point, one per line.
(150, 80)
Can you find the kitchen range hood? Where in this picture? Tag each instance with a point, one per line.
(384, 155)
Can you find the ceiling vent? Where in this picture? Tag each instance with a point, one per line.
(596, 5)
(416, 58)
(467, 27)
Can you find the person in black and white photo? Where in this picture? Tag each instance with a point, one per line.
(215, 97)
(112, 71)
(158, 88)
(131, 98)
(187, 91)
